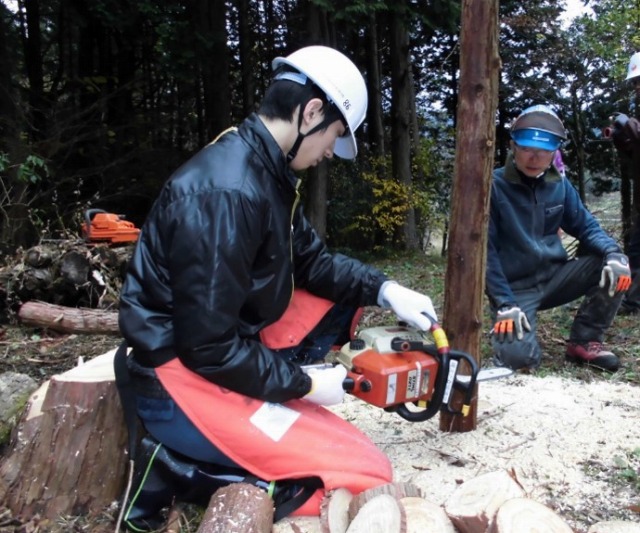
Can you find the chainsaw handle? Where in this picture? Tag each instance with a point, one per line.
(88, 215)
(435, 403)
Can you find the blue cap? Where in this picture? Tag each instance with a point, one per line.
(535, 138)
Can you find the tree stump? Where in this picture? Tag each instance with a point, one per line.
(68, 455)
(238, 508)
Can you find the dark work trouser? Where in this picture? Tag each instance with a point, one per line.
(569, 281)
(631, 300)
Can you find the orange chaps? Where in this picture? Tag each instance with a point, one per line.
(293, 440)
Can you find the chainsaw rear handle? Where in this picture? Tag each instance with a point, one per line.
(445, 379)
(88, 215)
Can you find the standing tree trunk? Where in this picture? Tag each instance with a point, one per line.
(248, 64)
(374, 110)
(475, 143)
(401, 117)
(317, 183)
(210, 20)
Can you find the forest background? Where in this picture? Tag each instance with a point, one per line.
(101, 100)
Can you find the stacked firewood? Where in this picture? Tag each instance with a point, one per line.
(69, 273)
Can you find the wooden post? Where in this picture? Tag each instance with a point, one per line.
(475, 145)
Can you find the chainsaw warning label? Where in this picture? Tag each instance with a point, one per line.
(392, 387)
(413, 384)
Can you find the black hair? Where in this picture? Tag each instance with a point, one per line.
(283, 97)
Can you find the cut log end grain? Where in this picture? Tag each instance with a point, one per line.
(473, 504)
(381, 513)
(521, 515)
(424, 516)
(334, 511)
(397, 490)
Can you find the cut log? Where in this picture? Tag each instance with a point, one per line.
(68, 319)
(298, 524)
(334, 511)
(615, 526)
(68, 454)
(473, 504)
(238, 508)
(522, 515)
(397, 490)
(422, 516)
(382, 513)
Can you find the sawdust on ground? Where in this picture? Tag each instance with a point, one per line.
(573, 445)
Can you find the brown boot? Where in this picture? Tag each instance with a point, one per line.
(592, 354)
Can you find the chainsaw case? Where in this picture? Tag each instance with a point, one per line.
(384, 377)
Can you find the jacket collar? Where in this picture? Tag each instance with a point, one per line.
(255, 133)
(512, 175)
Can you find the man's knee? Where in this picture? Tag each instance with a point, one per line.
(517, 354)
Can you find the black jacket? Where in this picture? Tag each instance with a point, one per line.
(217, 260)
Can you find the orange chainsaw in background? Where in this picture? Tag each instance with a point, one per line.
(395, 368)
(101, 226)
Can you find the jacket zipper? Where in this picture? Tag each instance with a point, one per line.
(293, 210)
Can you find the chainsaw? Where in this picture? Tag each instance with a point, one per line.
(395, 368)
(100, 226)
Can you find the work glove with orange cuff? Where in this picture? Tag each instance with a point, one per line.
(412, 307)
(509, 319)
(326, 385)
(616, 273)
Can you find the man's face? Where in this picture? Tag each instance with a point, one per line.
(532, 162)
(318, 145)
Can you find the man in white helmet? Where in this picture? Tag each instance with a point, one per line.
(626, 139)
(217, 339)
(527, 266)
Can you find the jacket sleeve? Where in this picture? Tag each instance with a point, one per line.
(210, 273)
(335, 277)
(581, 224)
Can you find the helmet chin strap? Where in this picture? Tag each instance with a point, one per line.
(296, 145)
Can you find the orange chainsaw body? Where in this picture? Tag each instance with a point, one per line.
(109, 227)
(385, 378)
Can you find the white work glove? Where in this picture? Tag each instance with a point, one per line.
(507, 320)
(616, 273)
(410, 306)
(326, 385)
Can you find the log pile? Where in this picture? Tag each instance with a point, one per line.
(68, 273)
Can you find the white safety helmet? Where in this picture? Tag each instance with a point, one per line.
(341, 81)
(634, 66)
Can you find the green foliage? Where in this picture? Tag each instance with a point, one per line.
(33, 170)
